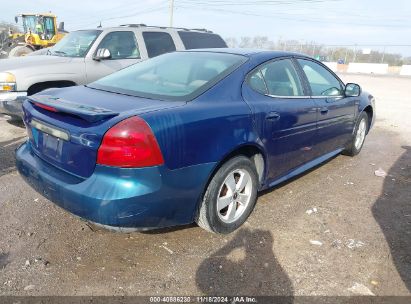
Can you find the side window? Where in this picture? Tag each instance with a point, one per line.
(256, 81)
(196, 40)
(49, 27)
(158, 43)
(122, 45)
(281, 78)
(321, 81)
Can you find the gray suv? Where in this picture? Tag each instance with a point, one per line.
(87, 55)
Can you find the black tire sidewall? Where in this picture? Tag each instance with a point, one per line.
(239, 162)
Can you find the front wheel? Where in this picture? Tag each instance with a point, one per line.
(230, 196)
(358, 137)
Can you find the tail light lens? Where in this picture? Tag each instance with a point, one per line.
(130, 144)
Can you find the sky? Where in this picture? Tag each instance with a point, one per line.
(330, 22)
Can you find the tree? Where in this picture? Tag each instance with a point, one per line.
(4, 32)
(260, 42)
(232, 42)
(245, 42)
(5, 26)
(323, 52)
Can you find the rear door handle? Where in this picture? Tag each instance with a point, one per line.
(273, 116)
(324, 110)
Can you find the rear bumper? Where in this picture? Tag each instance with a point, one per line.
(11, 103)
(152, 197)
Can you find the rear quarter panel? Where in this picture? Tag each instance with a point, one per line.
(366, 100)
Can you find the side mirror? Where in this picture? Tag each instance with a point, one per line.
(352, 90)
(102, 54)
(16, 19)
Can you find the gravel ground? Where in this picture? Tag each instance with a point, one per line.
(336, 230)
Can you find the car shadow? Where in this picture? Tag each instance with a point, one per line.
(298, 176)
(392, 211)
(15, 121)
(4, 260)
(169, 229)
(7, 152)
(245, 266)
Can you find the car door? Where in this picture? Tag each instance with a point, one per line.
(335, 111)
(284, 116)
(124, 51)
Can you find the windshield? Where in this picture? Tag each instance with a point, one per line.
(175, 76)
(75, 44)
(40, 25)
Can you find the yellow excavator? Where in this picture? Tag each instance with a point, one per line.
(39, 31)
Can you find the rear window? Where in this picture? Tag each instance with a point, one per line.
(176, 76)
(195, 40)
(158, 43)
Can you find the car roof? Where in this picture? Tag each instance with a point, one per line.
(151, 27)
(246, 52)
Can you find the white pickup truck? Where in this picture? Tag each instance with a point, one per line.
(87, 55)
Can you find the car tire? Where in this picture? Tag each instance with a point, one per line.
(230, 196)
(358, 137)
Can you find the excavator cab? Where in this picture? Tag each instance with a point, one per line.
(40, 29)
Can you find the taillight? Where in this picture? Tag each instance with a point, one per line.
(130, 144)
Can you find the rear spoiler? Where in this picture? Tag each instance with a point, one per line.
(55, 104)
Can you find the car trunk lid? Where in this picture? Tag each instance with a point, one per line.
(66, 126)
(60, 105)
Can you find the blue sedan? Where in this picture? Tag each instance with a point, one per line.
(189, 136)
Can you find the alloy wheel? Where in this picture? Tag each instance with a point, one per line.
(234, 195)
(360, 136)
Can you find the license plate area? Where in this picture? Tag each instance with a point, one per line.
(52, 146)
(50, 130)
(48, 140)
